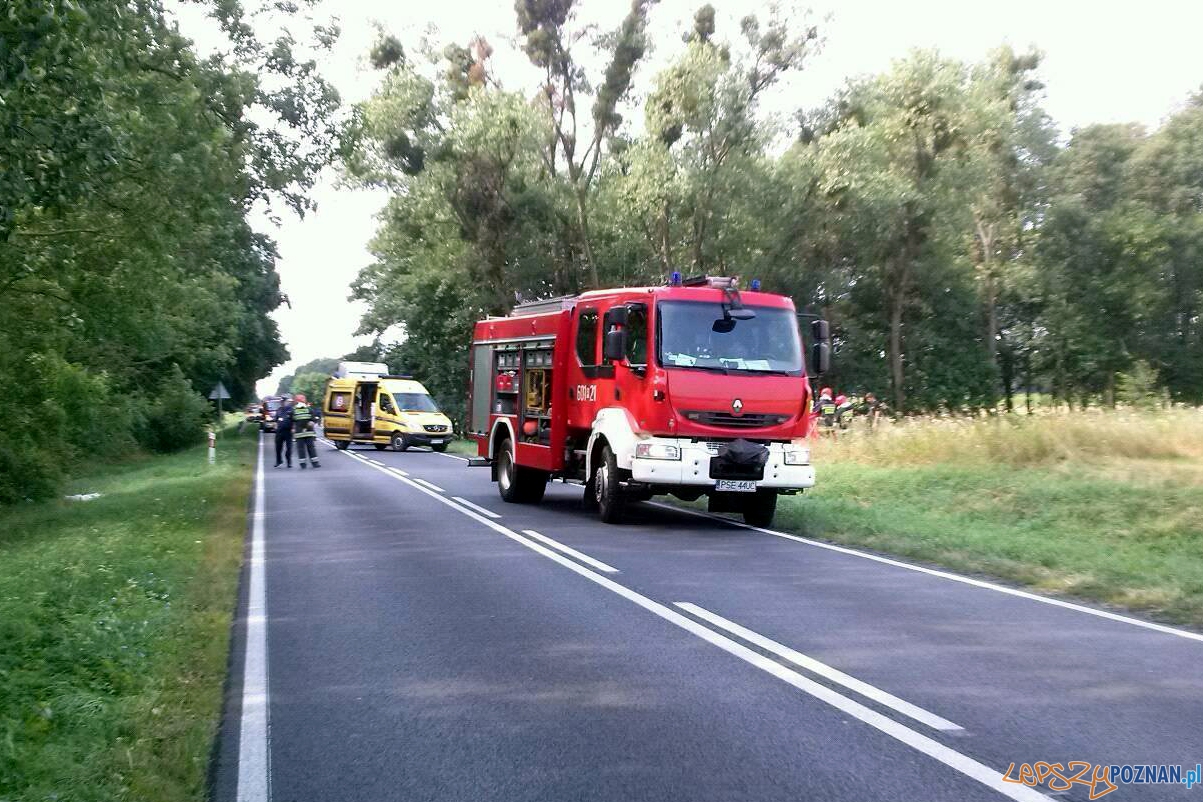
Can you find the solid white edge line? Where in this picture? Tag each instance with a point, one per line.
(964, 764)
(451, 456)
(425, 483)
(823, 670)
(254, 758)
(398, 471)
(477, 507)
(965, 580)
(585, 558)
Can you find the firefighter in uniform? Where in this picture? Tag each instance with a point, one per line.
(303, 426)
(844, 410)
(825, 409)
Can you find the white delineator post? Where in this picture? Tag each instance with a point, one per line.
(212, 447)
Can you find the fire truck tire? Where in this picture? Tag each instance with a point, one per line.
(342, 445)
(760, 509)
(611, 504)
(399, 442)
(518, 484)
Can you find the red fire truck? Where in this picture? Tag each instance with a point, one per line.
(693, 388)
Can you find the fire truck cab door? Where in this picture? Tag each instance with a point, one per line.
(586, 369)
(630, 374)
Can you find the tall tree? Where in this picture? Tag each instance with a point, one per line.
(574, 146)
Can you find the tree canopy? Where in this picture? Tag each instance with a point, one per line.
(962, 248)
(130, 277)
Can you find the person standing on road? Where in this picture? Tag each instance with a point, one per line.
(284, 432)
(303, 431)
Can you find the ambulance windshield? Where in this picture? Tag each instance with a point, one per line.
(415, 402)
(686, 337)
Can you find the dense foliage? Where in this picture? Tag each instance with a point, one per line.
(130, 279)
(961, 248)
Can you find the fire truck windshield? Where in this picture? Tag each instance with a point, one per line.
(687, 337)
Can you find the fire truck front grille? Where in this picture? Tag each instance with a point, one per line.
(751, 420)
(435, 428)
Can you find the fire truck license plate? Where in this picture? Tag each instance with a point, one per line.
(733, 486)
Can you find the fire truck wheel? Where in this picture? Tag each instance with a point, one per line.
(399, 443)
(610, 502)
(518, 484)
(759, 510)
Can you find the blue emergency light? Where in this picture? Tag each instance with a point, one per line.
(755, 285)
(674, 278)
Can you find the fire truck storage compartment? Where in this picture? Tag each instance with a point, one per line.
(506, 383)
(365, 397)
(483, 379)
(536, 392)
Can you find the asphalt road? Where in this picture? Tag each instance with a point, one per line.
(405, 635)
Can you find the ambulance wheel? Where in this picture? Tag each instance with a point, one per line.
(342, 445)
(606, 490)
(399, 442)
(380, 446)
(439, 449)
(760, 509)
(515, 483)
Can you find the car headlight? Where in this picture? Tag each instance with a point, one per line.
(797, 455)
(657, 451)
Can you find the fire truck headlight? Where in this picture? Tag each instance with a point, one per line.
(657, 451)
(797, 455)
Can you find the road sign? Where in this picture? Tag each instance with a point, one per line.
(219, 392)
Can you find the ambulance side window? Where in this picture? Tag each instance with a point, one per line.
(586, 337)
(386, 404)
(338, 402)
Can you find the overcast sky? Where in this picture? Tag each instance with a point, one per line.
(1104, 62)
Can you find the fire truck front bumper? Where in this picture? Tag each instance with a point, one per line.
(787, 467)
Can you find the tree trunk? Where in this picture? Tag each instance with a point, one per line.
(1006, 365)
(897, 299)
(1027, 369)
(992, 318)
(666, 260)
(582, 219)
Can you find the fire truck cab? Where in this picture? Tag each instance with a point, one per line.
(694, 388)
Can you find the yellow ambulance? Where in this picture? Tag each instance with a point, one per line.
(383, 411)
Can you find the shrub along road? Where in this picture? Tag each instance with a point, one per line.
(425, 641)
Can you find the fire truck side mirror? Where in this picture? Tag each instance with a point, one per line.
(820, 358)
(820, 331)
(615, 346)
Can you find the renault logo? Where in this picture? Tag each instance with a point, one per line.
(737, 406)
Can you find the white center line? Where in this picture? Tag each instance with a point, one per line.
(425, 483)
(585, 558)
(254, 759)
(990, 777)
(476, 507)
(823, 670)
(965, 580)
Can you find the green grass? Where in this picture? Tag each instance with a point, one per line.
(1105, 507)
(462, 446)
(114, 628)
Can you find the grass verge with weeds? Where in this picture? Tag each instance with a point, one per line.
(114, 628)
(1102, 506)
